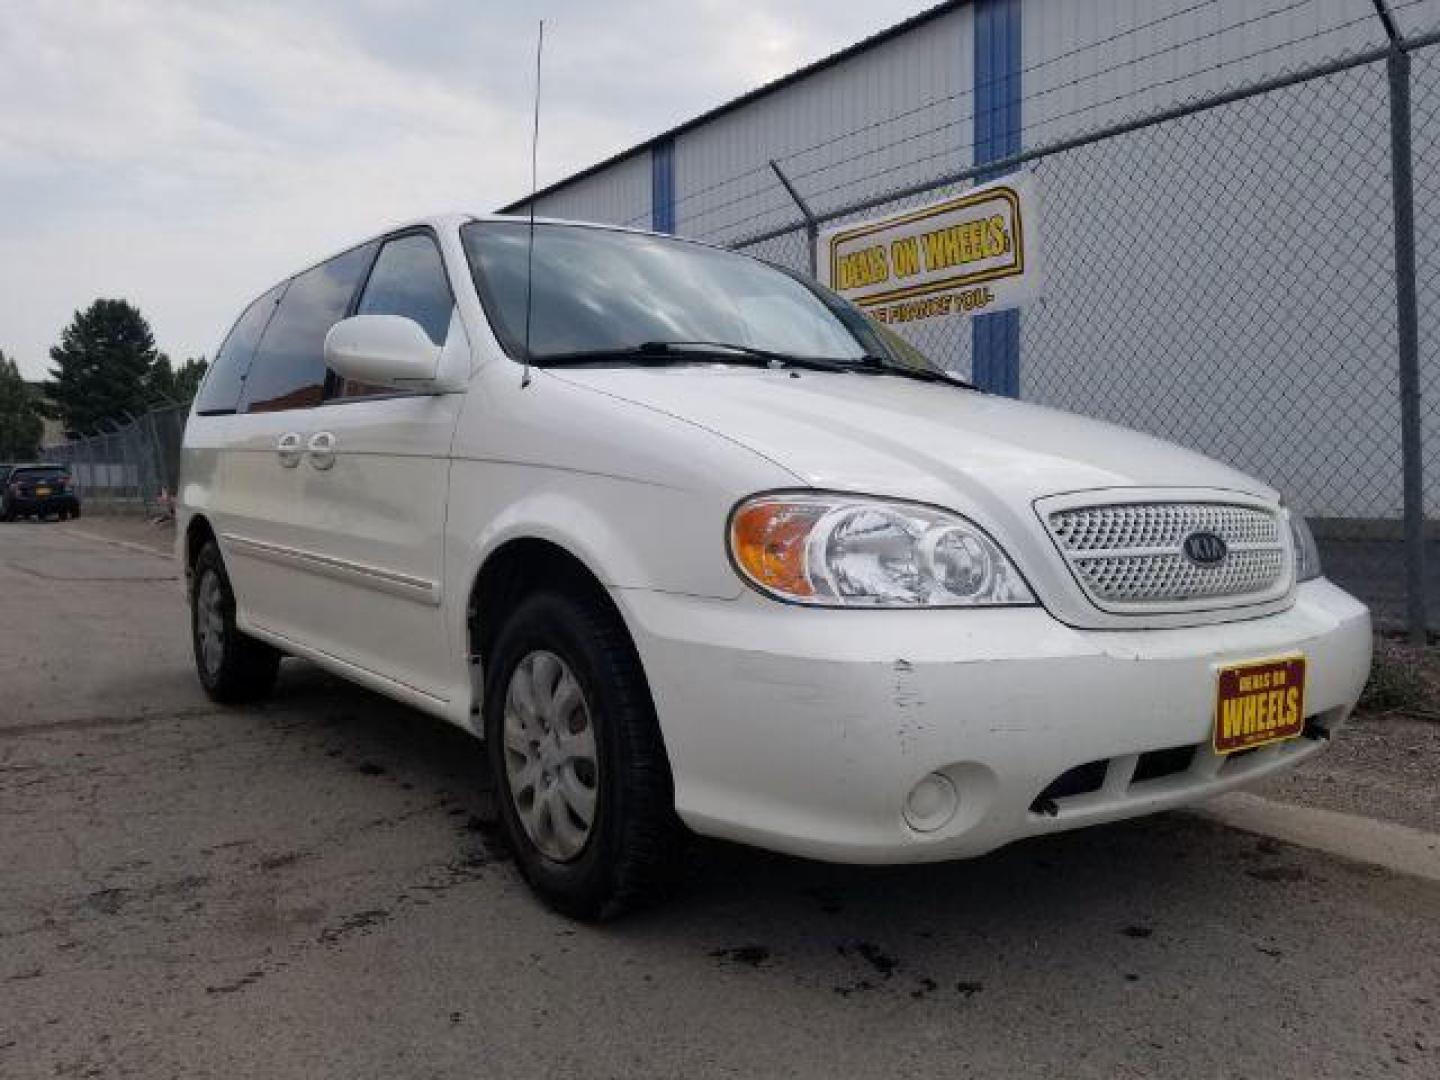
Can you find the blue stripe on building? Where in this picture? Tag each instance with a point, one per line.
(662, 186)
(995, 338)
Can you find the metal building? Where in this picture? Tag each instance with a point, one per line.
(1220, 264)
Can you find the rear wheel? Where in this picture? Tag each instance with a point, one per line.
(585, 789)
(232, 666)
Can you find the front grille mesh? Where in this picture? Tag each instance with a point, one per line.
(1133, 554)
(1153, 525)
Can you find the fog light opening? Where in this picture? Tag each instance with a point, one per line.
(931, 803)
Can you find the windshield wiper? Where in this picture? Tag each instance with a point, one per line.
(659, 353)
(879, 365)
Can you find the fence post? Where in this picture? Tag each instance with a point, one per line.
(149, 451)
(812, 227)
(1407, 321)
(87, 482)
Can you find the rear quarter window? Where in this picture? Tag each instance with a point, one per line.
(226, 379)
(289, 367)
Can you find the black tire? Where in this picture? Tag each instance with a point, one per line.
(7, 513)
(239, 669)
(632, 846)
(75, 514)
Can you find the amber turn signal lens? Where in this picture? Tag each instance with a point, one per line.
(768, 539)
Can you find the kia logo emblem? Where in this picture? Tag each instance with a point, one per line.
(1205, 548)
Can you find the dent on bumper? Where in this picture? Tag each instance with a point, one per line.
(803, 730)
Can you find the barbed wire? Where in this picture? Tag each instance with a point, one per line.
(1031, 98)
(814, 196)
(791, 156)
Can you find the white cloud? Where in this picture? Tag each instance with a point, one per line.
(185, 155)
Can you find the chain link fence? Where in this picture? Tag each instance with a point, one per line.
(1223, 274)
(133, 468)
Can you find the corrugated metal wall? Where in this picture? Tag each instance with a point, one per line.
(832, 134)
(896, 113)
(1095, 62)
(902, 110)
(619, 194)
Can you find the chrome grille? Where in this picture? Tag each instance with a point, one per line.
(1133, 554)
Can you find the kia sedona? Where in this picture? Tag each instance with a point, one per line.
(694, 545)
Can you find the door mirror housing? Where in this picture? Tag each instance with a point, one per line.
(383, 350)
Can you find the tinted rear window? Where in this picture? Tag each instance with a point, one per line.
(31, 475)
(221, 391)
(289, 367)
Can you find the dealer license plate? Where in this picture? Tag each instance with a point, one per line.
(1258, 703)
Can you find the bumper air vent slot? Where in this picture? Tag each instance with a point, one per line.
(1155, 764)
(1081, 780)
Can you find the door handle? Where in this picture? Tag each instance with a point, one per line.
(321, 449)
(287, 449)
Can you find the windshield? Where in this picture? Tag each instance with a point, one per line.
(602, 290)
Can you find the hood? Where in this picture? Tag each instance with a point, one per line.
(988, 458)
(885, 435)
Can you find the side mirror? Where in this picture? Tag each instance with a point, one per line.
(383, 350)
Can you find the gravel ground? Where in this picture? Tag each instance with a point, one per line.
(1385, 766)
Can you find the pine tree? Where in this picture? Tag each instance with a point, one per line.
(188, 378)
(102, 365)
(169, 384)
(21, 425)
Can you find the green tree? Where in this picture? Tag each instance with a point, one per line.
(169, 384)
(20, 422)
(189, 377)
(102, 366)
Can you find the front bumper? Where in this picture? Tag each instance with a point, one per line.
(804, 730)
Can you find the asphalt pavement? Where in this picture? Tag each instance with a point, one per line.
(312, 888)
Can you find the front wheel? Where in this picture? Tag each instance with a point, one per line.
(232, 666)
(585, 789)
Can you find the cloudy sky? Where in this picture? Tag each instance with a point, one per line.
(184, 155)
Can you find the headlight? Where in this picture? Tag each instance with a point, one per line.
(852, 551)
(1307, 555)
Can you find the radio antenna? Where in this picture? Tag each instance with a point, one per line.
(534, 187)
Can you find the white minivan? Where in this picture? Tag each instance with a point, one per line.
(691, 542)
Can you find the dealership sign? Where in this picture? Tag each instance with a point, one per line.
(974, 252)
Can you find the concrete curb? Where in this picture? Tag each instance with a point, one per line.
(1398, 848)
(128, 545)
